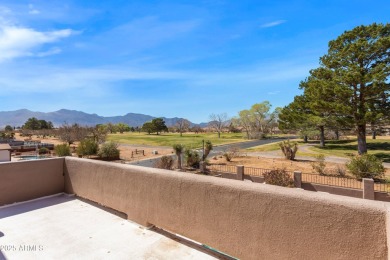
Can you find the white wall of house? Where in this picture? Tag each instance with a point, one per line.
(4, 156)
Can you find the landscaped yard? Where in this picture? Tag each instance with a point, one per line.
(304, 166)
(380, 147)
(168, 139)
(268, 147)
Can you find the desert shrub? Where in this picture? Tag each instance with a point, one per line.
(366, 166)
(208, 146)
(109, 150)
(192, 158)
(289, 149)
(279, 177)
(62, 150)
(319, 165)
(43, 150)
(231, 153)
(178, 148)
(340, 171)
(87, 147)
(165, 162)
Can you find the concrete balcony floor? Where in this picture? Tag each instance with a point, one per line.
(65, 227)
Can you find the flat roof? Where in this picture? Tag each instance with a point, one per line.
(66, 227)
(5, 147)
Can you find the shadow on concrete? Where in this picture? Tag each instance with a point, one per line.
(105, 208)
(193, 245)
(23, 207)
(2, 256)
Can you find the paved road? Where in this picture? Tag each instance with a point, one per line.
(219, 149)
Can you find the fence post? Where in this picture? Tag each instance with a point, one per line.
(297, 179)
(240, 172)
(368, 189)
(202, 167)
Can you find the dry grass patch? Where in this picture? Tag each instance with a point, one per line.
(304, 166)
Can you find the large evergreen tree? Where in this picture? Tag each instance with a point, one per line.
(297, 116)
(360, 62)
(322, 102)
(350, 88)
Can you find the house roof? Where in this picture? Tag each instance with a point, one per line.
(5, 147)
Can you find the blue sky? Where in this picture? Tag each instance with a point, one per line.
(166, 58)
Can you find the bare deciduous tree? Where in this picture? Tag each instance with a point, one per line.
(72, 133)
(98, 133)
(182, 125)
(218, 122)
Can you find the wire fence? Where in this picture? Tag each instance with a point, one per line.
(255, 171)
(222, 168)
(335, 181)
(332, 181)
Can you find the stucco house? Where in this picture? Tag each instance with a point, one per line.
(5, 153)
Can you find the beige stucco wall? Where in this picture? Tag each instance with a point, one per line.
(21, 181)
(5, 156)
(245, 220)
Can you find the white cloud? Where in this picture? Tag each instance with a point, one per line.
(52, 51)
(272, 24)
(15, 78)
(19, 41)
(32, 10)
(50, 79)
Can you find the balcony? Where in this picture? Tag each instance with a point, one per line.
(97, 207)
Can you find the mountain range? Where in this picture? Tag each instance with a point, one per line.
(19, 117)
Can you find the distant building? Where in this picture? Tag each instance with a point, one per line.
(5, 153)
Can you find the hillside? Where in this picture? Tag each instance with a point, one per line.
(19, 117)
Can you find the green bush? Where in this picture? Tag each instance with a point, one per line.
(279, 177)
(165, 162)
(192, 158)
(62, 150)
(87, 147)
(366, 166)
(43, 150)
(109, 150)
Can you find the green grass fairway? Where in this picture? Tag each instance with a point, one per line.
(380, 147)
(168, 139)
(268, 147)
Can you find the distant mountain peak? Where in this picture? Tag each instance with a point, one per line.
(19, 117)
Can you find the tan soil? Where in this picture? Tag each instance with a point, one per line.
(49, 140)
(257, 162)
(304, 166)
(125, 151)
